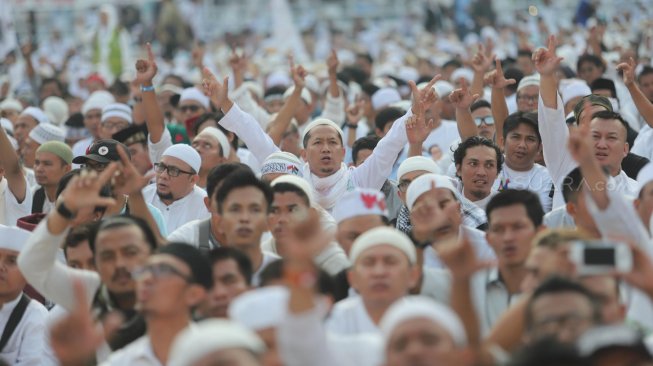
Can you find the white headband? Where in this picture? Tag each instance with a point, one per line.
(196, 95)
(360, 202)
(259, 309)
(322, 122)
(422, 185)
(298, 182)
(118, 110)
(13, 238)
(416, 163)
(282, 162)
(37, 114)
(45, 132)
(215, 133)
(186, 154)
(530, 80)
(383, 235)
(575, 89)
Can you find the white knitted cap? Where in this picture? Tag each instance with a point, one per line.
(13, 238)
(383, 235)
(384, 97)
(196, 95)
(576, 88)
(210, 336)
(443, 88)
(421, 307)
(322, 122)
(416, 163)
(218, 135)
(36, 113)
(97, 100)
(259, 309)
(186, 154)
(300, 183)
(530, 80)
(422, 185)
(56, 109)
(360, 202)
(118, 110)
(45, 132)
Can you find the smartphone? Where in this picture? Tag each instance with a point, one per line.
(600, 257)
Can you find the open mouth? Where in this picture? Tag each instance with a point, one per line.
(244, 232)
(480, 182)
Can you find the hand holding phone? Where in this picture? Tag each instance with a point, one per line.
(597, 257)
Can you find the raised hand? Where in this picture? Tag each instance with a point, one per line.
(355, 112)
(298, 74)
(146, 69)
(462, 98)
(545, 59)
(128, 180)
(417, 130)
(496, 79)
(238, 65)
(216, 91)
(332, 63)
(426, 96)
(482, 60)
(628, 70)
(83, 190)
(459, 256)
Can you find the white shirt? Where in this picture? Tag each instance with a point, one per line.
(189, 208)
(477, 237)
(188, 233)
(15, 210)
(267, 259)
(536, 180)
(482, 203)
(137, 353)
(155, 150)
(246, 157)
(350, 317)
(559, 218)
(643, 145)
(27, 344)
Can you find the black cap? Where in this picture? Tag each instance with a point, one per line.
(76, 120)
(102, 151)
(131, 135)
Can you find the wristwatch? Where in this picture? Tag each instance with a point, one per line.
(65, 211)
(147, 88)
(351, 125)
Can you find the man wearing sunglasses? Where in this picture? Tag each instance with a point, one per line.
(192, 103)
(482, 114)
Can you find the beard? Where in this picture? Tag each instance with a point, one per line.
(165, 196)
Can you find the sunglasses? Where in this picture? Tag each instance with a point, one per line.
(487, 120)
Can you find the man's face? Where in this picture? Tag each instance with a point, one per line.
(350, 229)
(646, 84)
(118, 251)
(478, 171)
(287, 209)
(405, 181)
(80, 256)
(527, 98)
(565, 316)
(510, 234)
(525, 64)
(11, 280)
(580, 213)
(589, 72)
(382, 274)
(112, 125)
(50, 90)
(140, 157)
(445, 209)
(644, 203)
(418, 342)
(189, 109)
(174, 188)
(606, 290)
(92, 122)
(521, 147)
(49, 168)
(228, 283)
(324, 151)
(303, 112)
(484, 114)
(543, 263)
(362, 155)
(163, 99)
(24, 124)
(290, 143)
(28, 152)
(274, 105)
(210, 151)
(610, 145)
(386, 128)
(448, 110)
(244, 217)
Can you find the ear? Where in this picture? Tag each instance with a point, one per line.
(352, 279)
(195, 294)
(207, 203)
(415, 274)
(636, 203)
(378, 132)
(195, 178)
(303, 154)
(458, 169)
(626, 149)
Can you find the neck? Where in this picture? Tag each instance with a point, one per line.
(475, 195)
(512, 277)
(5, 298)
(125, 301)
(203, 175)
(215, 221)
(375, 310)
(50, 192)
(519, 168)
(162, 332)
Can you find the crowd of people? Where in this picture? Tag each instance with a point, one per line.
(417, 198)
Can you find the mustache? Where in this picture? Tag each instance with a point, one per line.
(120, 273)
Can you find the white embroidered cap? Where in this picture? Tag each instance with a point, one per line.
(36, 113)
(13, 238)
(443, 88)
(259, 309)
(186, 154)
(322, 122)
(360, 202)
(422, 184)
(196, 95)
(416, 163)
(300, 183)
(385, 97)
(219, 136)
(282, 162)
(383, 235)
(530, 80)
(11, 104)
(118, 110)
(45, 132)
(97, 100)
(56, 109)
(576, 88)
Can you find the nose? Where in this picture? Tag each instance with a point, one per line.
(219, 292)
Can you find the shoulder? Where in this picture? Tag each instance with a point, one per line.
(127, 355)
(187, 231)
(35, 311)
(347, 305)
(199, 192)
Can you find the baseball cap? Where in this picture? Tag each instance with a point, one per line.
(102, 151)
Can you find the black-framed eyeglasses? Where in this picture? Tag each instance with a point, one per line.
(94, 165)
(403, 185)
(159, 270)
(173, 171)
(528, 98)
(192, 108)
(487, 120)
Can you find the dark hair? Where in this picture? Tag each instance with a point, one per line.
(79, 234)
(611, 116)
(518, 118)
(526, 198)
(307, 137)
(352, 72)
(387, 115)
(274, 90)
(461, 151)
(60, 85)
(288, 187)
(481, 103)
(369, 88)
(274, 272)
(65, 179)
(572, 185)
(218, 173)
(557, 285)
(524, 52)
(368, 142)
(119, 88)
(591, 59)
(646, 70)
(546, 352)
(207, 117)
(453, 62)
(513, 73)
(243, 262)
(603, 83)
(118, 221)
(240, 179)
(366, 56)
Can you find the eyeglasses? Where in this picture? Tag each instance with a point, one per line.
(172, 170)
(186, 108)
(528, 98)
(403, 185)
(117, 126)
(487, 120)
(552, 324)
(93, 165)
(159, 270)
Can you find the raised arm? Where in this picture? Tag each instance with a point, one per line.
(280, 124)
(355, 113)
(644, 106)
(462, 99)
(480, 63)
(13, 172)
(498, 82)
(241, 94)
(145, 72)
(546, 63)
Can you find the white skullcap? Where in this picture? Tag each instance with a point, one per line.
(118, 110)
(13, 238)
(7, 125)
(644, 176)
(383, 235)
(278, 78)
(186, 154)
(47, 132)
(259, 309)
(312, 83)
(36, 113)
(11, 104)
(384, 97)
(418, 307)
(416, 163)
(98, 100)
(443, 88)
(196, 95)
(407, 73)
(306, 95)
(222, 139)
(254, 88)
(210, 336)
(422, 184)
(576, 88)
(322, 122)
(360, 202)
(464, 73)
(300, 183)
(282, 162)
(56, 109)
(530, 80)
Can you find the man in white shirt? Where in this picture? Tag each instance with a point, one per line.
(175, 192)
(383, 271)
(478, 161)
(23, 319)
(169, 285)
